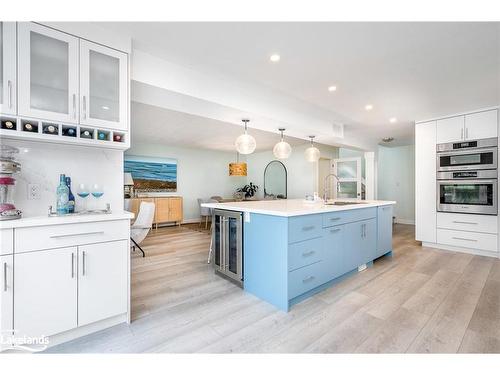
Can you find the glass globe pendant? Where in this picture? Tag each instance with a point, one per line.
(245, 143)
(312, 153)
(282, 149)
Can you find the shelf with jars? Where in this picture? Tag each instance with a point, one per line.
(15, 127)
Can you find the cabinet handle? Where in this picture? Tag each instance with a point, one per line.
(464, 239)
(334, 218)
(74, 106)
(308, 253)
(334, 230)
(310, 227)
(83, 263)
(5, 277)
(307, 279)
(9, 86)
(75, 234)
(462, 133)
(84, 107)
(465, 222)
(72, 265)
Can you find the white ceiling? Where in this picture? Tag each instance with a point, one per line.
(152, 124)
(410, 71)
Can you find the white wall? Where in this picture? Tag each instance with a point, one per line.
(396, 180)
(42, 163)
(200, 173)
(302, 175)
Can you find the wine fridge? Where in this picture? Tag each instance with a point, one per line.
(228, 244)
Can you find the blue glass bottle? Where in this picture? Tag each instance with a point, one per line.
(71, 197)
(62, 196)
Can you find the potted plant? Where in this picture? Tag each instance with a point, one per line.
(249, 190)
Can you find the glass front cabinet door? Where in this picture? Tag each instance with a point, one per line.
(48, 73)
(8, 68)
(103, 86)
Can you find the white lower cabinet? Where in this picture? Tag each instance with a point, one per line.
(45, 292)
(102, 281)
(6, 295)
(60, 289)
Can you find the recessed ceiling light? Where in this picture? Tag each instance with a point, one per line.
(105, 107)
(369, 107)
(332, 88)
(275, 58)
(387, 139)
(392, 120)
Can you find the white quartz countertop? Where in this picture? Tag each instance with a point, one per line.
(37, 221)
(293, 207)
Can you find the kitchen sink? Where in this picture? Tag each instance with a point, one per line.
(343, 203)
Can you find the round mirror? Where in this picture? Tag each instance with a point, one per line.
(275, 180)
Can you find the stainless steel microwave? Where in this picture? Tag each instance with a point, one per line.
(470, 155)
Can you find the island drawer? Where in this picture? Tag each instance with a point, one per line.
(301, 228)
(470, 240)
(304, 279)
(6, 241)
(331, 219)
(66, 235)
(304, 253)
(468, 222)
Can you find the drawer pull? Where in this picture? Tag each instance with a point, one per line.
(464, 222)
(309, 253)
(310, 227)
(334, 230)
(464, 239)
(334, 218)
(308, 279)
(76, 234)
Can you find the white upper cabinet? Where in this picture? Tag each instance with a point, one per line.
(450, 130)
(8, 68)
(103, 86)
(481, 125)
(48, 73)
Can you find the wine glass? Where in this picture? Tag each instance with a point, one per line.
(97, 192)
(83, 192)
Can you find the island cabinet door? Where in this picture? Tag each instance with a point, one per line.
(45, 292)
(334, 252)
(102, 288)
(360, 239)
(384, 230)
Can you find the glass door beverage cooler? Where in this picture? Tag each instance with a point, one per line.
(228, 244)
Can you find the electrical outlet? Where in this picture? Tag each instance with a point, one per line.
(34, 191)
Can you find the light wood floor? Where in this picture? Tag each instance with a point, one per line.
(420, 300)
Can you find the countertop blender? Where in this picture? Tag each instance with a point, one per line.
(8, 168)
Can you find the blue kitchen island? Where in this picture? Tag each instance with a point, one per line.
(294, 249)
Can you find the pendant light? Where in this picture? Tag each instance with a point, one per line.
(237, 169)
(282, 149)
(312, 153)
(245, 143)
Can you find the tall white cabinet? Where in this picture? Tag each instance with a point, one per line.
(8, 79)
(425, 181)
(470, 233)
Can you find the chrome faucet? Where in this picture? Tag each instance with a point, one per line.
(325, 190)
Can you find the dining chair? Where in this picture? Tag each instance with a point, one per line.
(142, 225)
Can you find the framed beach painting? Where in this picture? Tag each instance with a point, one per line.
(152, 175)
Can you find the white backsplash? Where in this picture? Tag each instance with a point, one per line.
(42, 163)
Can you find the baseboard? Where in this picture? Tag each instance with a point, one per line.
(405, 221)
(492, 254)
